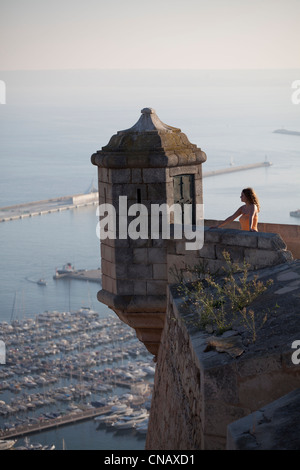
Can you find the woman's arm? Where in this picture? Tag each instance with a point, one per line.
(251, 216)
(230, 218)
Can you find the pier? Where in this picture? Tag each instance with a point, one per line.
(92, 275)
(48, 206)
(233, 168)
(70, 418)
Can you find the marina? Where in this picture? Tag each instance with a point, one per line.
(67, 367)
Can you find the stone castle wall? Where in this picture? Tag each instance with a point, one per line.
(290, 233)
(259, 250)
(200, 390)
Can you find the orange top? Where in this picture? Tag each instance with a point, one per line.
(244, 222)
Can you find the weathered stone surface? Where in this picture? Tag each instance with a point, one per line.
(156, 287)
(262, 258)
(271, 241)
(148, 144)
(273, 427)
(231, 345)
(160, 271)
(239, 238)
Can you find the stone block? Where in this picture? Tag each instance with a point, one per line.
(180, 247)
(103, 175)
(160, 271)
(175, 263)
(264, 258)
(139, 271)
(154, 175)
(130, 190)
(140, 288)
(156, 287)
(105, 192)
(108, 268)
(157, 192)
(214, 266)
(107, 253)
(136, 175)
(258, 390)
(157, 255)
(125, 287)
(146, 320)
(225, 414)
(140, 256)
(258, 364)
(271, 241)
(236, 253)
(123, 255)
(140, 243)
(273, 427)
(121, 271)
(120, 175)
(116, 191)
(109, 284)
(239, 238)
(208, 251)
(199, 190)
(220, 384)
(184, 170)
(160, 243)
(212, 235)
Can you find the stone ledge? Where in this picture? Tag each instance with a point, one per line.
(274, 427)
(133, 303)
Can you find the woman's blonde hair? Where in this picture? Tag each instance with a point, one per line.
(251, 196)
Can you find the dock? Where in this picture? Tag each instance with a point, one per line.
(92, 275)
(70, 418)
(233, 169)
(47, 206)
(64, 420)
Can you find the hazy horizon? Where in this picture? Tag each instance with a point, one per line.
(168, 35)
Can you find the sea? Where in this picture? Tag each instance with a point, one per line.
(53, 121)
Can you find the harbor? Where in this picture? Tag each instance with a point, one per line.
(63, 368)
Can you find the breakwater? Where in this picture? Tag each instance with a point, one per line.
(47, 206)
(233, 168)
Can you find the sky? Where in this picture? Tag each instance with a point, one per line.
(152, 34)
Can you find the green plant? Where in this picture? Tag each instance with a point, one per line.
(221, 300)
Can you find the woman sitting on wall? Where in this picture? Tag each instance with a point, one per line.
(248, 212)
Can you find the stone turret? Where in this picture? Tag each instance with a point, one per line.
(148, 164)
